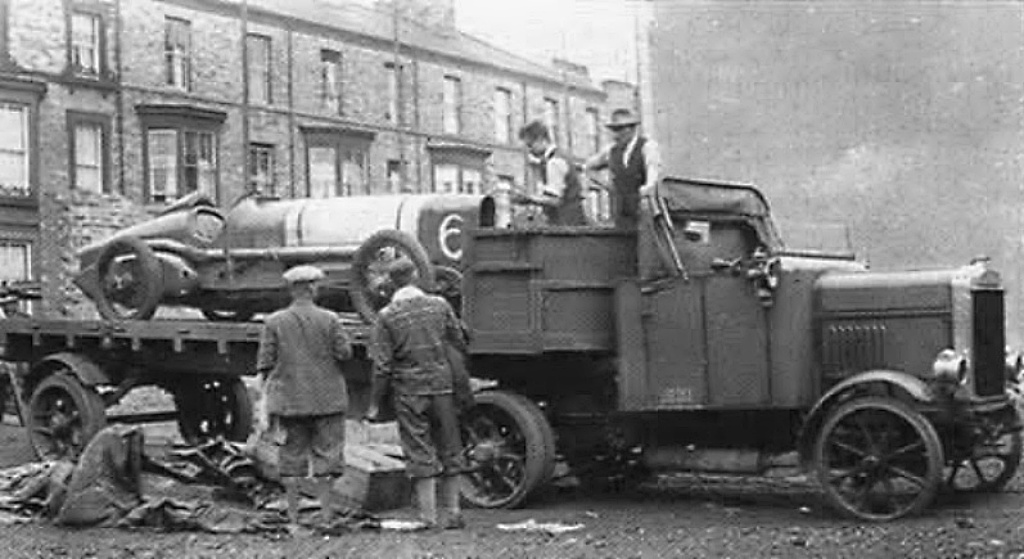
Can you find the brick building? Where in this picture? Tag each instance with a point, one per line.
(112, 109)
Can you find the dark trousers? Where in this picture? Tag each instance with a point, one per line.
(429, 430)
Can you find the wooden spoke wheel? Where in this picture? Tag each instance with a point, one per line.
(63, 416)
(990, 465)
(878, 459)
(213, 407)
(510, 450)
(371, 288)
(131, 280)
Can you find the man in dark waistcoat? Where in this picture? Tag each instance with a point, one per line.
(561, 191)
(634, 164)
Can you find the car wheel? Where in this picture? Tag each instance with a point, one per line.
(371, 289)
(131, 282)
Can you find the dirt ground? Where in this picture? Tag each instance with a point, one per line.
(674, 517)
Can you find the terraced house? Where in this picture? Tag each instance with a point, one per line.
(110, 110)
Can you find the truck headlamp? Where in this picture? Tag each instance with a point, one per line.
(1014, 365)
(949, 367)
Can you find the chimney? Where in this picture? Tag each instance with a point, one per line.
(437, 15)
(569, 67)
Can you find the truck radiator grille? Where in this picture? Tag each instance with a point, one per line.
(853, 347)
(989, 343)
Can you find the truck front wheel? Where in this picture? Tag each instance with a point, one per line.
(510, 448)
(878, 459)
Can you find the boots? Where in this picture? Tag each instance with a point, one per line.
(426, 500)
(450, 495)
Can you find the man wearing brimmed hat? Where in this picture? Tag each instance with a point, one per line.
(300, 358)
(634, 163)
(413, 338)
(561, 194)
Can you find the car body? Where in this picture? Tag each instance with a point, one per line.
(228, 263)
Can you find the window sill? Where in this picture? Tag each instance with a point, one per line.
(29, 201)
(105, 84)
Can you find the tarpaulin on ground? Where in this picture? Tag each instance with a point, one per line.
(105, 488)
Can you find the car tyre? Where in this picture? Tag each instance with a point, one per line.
(147, 280)
(369, 290)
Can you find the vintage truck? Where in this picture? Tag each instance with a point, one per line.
(888, 386)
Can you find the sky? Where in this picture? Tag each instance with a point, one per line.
(597, 33)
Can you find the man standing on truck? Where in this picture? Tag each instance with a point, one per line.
(412, 340)
(634, 164)
(299, 362)
(561, 192)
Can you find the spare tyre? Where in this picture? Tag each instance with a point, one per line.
(130, 278)
(371, 288)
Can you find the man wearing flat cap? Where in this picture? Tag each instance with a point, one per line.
(300, 359)
(413, 338)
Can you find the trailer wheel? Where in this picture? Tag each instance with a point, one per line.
(211, 408)
(510, 450)
(990, 464)
(878, 459)
(129, 289)
(63, 416)
(371, 289)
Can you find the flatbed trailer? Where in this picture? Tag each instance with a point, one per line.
(69, 372)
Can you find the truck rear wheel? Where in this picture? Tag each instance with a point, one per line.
(211, 408)
(878, 459)
(63, 416)
(371, 289)
(510, 448)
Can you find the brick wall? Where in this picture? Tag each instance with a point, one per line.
(69, 219)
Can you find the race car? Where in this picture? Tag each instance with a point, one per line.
(228, 263)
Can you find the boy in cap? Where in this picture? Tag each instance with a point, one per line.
(412, 338)
(300, 358)
(561, 194)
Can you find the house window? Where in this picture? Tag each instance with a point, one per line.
(337, 166)
(89, 153)
(178, 52)
(180, 161)
(450, 178)
(86, 43)
(16, 264)
(330, 80)
(593, 130)
(14, 152)
(261, 169)
(258, 55)
(502, 116)
(551, 118)
(396, 179)
(394, 113)
(451, 105)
